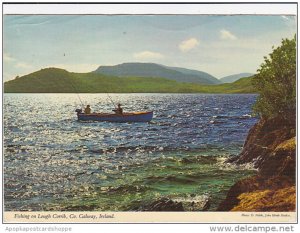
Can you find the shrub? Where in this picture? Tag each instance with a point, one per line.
(276, 82)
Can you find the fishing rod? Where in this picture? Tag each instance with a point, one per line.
(73, 86)
(77, 94)
(69, 81)
(111, 100)
(80, 100)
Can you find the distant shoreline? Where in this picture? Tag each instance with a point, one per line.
(53, 80)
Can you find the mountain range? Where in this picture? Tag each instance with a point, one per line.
(126, 78)
(235, 77)
(156, 70)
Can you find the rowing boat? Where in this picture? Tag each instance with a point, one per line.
(112, 117)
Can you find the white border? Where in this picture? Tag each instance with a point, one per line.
(266, 9)
(204, 9)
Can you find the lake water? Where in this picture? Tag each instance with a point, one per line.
(54, 162)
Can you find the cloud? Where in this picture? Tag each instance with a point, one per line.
(80, 68)
(148, 55)
(189, 44)
(227, 35)
(23, 65)
(8, 58)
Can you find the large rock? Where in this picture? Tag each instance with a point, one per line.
(279, 200)
(163, 204)
(282, 161)
(264, 137)
(271, 146)
(252, 184)
(193, 203)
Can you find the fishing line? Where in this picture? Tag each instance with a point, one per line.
(111, 100)
(73, 86)
(77, 93)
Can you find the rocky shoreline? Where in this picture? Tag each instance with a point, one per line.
(271, 147)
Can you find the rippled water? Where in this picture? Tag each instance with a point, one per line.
(54, 162)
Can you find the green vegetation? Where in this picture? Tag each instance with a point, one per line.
(276, 82)
(53, 80)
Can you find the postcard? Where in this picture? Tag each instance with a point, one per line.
(149, 113)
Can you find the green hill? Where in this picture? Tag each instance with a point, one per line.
(235, 77)
(53, 80)
(135, 69)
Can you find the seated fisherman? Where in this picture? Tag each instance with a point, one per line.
(87, 110)
(119, 110)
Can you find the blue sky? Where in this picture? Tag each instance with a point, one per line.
(219, 45)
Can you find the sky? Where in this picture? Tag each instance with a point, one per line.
(217, 44)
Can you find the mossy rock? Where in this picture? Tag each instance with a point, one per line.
(268, 200)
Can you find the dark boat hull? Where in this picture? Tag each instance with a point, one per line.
(125, 117)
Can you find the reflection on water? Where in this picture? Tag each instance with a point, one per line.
(54, 162)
